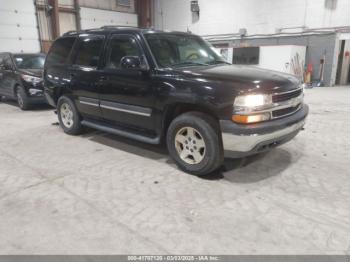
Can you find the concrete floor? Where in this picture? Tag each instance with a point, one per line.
(102, 194)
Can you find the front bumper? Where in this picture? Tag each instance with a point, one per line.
(243, 140)
(36, 96)
(33, 90)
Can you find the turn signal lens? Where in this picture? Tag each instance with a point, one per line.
(249, 119)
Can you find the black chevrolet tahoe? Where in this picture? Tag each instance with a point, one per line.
(21, 78)
(156, 86)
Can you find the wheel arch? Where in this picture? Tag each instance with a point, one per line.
(15, 88)
(174, 110)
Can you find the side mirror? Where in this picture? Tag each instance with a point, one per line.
(134, 62)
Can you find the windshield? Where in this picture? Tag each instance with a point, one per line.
(29, 61)
(176, 50)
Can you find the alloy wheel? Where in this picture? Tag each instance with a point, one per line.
(20, 99)
(66, 114)
(190, 145)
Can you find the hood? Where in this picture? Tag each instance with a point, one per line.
(240, 79)
(32, 72)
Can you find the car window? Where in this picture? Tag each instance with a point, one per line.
(89, 50)
(1, 61)
(119, 47)
(5, 62)
(182, 50)
(60, 50)
(8, 63)
(29, 61)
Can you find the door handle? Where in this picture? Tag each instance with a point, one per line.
(103, 78)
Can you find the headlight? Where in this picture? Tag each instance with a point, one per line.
(31, 79)
(246, 108)
(252, 101)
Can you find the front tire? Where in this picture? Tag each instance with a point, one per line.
(22, 98)
(194, 143)
(68, 116)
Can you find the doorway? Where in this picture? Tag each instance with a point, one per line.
(343, 68)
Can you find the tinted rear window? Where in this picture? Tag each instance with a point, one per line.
(60, 50)
(89, 49)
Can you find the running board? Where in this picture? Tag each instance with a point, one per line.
(119, 132)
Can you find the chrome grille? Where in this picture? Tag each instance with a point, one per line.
(276, 98)
(285, 111)
(287, 103)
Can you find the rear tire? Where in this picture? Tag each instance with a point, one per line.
(68, 116)
(22, 98)
(194, 143)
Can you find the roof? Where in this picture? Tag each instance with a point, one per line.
(108, 29)
(11, 53)
(39, 54)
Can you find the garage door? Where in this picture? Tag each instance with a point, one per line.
(18, 27)
(94, 18)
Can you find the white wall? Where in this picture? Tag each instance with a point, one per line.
(258, 16)
(284, 58)
(107, 5)
(67, 22)
(18, 26)
(94, 18)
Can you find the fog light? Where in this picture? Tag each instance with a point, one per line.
(249, 119)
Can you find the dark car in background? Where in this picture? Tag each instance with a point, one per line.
(156, 86)
(21, 78)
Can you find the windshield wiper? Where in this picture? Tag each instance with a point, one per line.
(189, 63)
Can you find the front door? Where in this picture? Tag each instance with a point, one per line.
(127, 96)
(85, 75)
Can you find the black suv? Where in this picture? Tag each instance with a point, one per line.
(21, 78)
(153, 86)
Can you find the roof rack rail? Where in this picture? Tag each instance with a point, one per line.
(117, 26)
(71, 32)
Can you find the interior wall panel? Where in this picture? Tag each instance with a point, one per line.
(258, 17)
(18, 27)
(108, 5)
(67, 22)
(94, 18)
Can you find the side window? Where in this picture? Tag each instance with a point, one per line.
(5, 62)
(60, 50)
(1, 62)
(119, 47)
(8, 63)
(89, 50)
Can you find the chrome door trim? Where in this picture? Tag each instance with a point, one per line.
(131, 109)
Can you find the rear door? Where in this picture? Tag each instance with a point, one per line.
(85, 75)
(56, 69)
